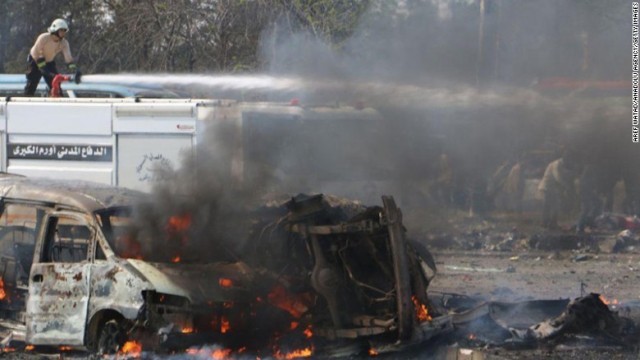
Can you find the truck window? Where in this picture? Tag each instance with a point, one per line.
(18, 228)
(117, 228)
(67, 240)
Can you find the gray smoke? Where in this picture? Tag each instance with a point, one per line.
(437, 87)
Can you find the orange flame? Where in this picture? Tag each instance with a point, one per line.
(294, 325)
(29, 348)
(607, 301)
(373, 352)
(176, 259)
(308, 333)
(130, 247)
(224, 325)
(225, 283)
(220, 354)
(178, 225)
(65, 348)
(187, 330)
(300, 353)
(294, 304)
(422, 313)
(131, 348)
(3, 294)
(472, 336)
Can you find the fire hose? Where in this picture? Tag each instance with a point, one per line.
(56, 84)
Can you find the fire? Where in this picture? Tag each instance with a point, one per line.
(294, 304)
(132, 348)
(294, 325)
(422, 313)
(131, 248)
(187, 330)
(178, 225)
(220, 354)
(373, 352)
(225, 283)
(176, 259)
(65, 348)
(224, 325)
(308, 333)
(472, 336)
(300, 353)
(29, 348)
(3, 294)
(608, 302)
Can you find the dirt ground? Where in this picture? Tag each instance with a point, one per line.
(495, 258)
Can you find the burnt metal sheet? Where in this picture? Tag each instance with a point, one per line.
(199, 283)
(57, 305)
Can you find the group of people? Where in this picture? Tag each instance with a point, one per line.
(41, 58)
(591, 185)
(568, 185)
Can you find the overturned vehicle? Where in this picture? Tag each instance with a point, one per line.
(316, 274)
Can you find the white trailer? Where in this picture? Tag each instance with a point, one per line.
(121, 141)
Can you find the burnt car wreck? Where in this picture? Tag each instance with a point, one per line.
(318, 275)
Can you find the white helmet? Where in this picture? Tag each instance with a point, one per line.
(58, 24)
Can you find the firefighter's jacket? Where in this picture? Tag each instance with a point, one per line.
(557, 180)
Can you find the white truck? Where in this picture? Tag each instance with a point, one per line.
(121, 141)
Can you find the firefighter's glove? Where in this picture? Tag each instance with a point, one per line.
(41, 64)
(77, 76)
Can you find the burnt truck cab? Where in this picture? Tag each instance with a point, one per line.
(65, 279)
(78, 270)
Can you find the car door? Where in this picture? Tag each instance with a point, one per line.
(59, 281)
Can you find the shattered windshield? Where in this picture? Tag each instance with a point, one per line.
(131, 241)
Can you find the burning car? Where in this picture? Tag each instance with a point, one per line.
(77, 271)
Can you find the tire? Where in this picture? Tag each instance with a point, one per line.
(111, 337)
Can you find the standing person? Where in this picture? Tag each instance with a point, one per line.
(590, 201)
(557, 191)
(514, 187)
(442, 187)
(42, 56)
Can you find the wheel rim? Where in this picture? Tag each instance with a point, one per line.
(110, 339)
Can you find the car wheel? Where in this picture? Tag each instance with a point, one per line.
(111, 337)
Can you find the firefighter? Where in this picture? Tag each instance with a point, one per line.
(590, 198)
(631, 178)
(42, 56)
(557, 191)
(514, 186)
(442, 187)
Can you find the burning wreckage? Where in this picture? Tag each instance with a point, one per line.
(323, 276)
(326, 276)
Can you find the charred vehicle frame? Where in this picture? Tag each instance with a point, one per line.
(330, 272)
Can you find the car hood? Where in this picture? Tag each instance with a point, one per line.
(201, 284)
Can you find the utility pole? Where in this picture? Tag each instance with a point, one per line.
(479, 57)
